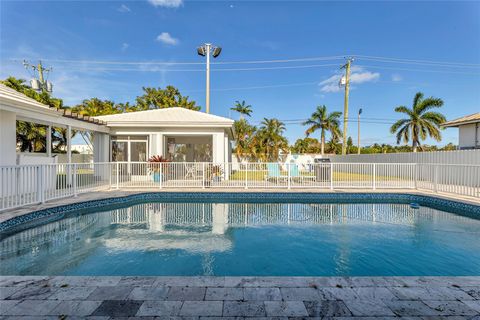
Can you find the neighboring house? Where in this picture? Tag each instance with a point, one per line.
(468, 131)
(178, 134)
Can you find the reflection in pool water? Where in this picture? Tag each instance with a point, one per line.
(249, 239)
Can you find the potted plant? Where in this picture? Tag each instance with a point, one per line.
(158, 167)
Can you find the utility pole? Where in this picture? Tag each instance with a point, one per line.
(359, 113)
(206, 50)
(39, 84)
(345, 104)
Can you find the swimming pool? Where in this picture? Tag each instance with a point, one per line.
(242, 235)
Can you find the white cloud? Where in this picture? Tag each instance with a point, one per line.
(396, 77)
(166, 3)
(166, 38)
(125, 46)
(357, 76)
(123, 8)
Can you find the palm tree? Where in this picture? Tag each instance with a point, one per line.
(421, 121)
(242, 108)
(323, 121)
(270, 138)
(244, 132)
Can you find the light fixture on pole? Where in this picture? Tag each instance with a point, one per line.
(205, 51)
(359, 113)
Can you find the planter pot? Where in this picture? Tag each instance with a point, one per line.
(157, 177)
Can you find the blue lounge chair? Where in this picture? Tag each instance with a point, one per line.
(274, 172)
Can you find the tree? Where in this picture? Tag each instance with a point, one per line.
(244, 133)
(306, 145)
(158, 98)
(96, 107)
(242, 108)
(269, 140)
(323, 121)
(420, 122)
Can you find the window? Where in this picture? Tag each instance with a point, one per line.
(130, 148)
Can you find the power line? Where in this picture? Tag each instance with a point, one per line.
(273, 61)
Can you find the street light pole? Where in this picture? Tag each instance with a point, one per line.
(359, 113)
(207, 97)
(205, 50)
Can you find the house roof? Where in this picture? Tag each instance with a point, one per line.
(28, 109)
(167, 117)
(473, 118)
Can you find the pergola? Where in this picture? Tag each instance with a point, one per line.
(16, 106)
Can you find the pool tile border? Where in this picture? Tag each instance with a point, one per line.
(55, 213)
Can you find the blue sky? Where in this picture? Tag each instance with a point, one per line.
(71, 36)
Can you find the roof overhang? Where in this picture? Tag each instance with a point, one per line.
(27, 109)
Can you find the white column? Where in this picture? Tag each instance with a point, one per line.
(8, 138)
(101, 147)
(49, 141)
(218, 147)
(69, 144)
(69, 155)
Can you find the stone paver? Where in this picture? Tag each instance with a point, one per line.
(262, 294)
(221, 294)
(327, 308)
(202, 308)
(110, 293)
(186, 293)
(285, 309)
(76, 308)
(118, 308)
(148, 293)
(414, 298)
(244, 308)
(159, 308)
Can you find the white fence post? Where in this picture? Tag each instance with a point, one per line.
(203, 175)
(415, 175)
(288, 176)
(246, 176)
(160, 173)
(374, 178)
(117, 176)
(435, 178)
(40, 184)
(75, 193)
(331, 175)
(109, 168)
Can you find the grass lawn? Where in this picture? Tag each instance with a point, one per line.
(337, 176)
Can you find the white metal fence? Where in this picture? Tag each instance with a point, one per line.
(29, 184)
(443, 157)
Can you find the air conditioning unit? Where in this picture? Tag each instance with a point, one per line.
(35, 84)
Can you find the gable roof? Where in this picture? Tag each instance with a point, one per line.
(166, 117)
(472, 118)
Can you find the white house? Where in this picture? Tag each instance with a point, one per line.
(178, 134)
(468, 131)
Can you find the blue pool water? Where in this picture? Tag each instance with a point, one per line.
(267, 239)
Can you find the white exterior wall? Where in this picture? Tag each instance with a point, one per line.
(8, 138)
(469, 136)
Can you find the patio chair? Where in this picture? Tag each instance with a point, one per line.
(295, 174)
(274, 172)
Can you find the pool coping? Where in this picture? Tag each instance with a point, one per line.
(53, 297)
(25, 219)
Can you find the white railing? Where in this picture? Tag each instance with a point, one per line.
(30, 184)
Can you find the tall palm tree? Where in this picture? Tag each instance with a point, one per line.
(242, 108)
(323, 121)
(420, 122)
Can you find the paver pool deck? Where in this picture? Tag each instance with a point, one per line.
(39, 297)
